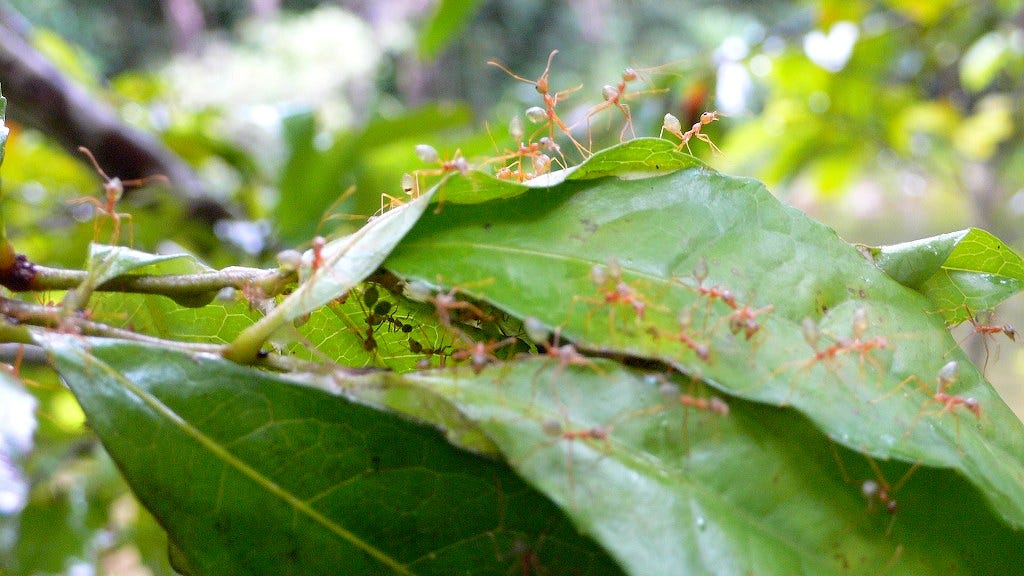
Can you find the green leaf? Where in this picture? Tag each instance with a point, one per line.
(253, 474)
(448, 21)
(668, 487)
(639, 158)
(219, 322)
(346, 261)
(960, 272)
(108, 262)
(537, 254)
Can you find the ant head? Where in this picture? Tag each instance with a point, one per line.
(542, 82)
(709, 117)
(629, 74)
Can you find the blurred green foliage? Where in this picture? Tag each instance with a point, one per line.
(888, 121)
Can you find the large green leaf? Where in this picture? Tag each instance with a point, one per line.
(537, 252)
(960, 272)
(671, 487)
(252, 474)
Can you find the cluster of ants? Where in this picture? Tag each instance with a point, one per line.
(535, 154)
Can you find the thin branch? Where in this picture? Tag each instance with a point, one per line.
(176, 286)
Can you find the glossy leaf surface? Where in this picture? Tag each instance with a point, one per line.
(961, 272)
(870, 384)
(252, 474)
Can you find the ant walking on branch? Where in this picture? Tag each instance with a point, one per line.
(547, 115)
(672, 126)
(114, 189)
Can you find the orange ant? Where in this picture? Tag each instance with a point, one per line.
(987, 329)
(445, 302)
(428, 154)
(114, 189)
(672, 395)
(700, 274)
(565, 354)
(744, 319)
(828, 354)
(858, 344)
(613, 96)
(947, 376)
(480, 354)
(878, 490)
(534, 151)
(411, 181)
(672, 126)
(685, 321)
(612, 290)
(599, 433)
(714, 404)
(546, 114)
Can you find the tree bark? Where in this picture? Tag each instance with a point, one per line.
(38, 95)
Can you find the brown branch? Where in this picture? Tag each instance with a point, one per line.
(40, 96)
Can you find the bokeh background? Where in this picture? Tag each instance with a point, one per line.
(889, 121)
